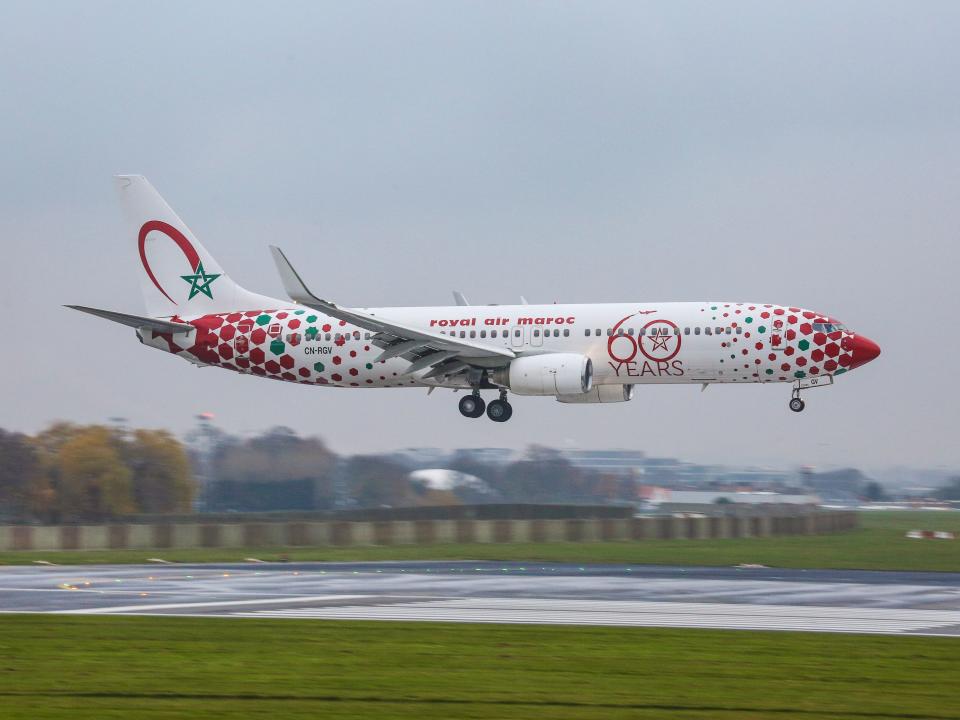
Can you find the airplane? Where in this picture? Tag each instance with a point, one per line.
(574, 353)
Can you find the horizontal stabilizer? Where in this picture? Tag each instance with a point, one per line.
(135, 321)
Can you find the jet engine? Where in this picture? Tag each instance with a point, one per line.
(553, 374)
(601, 394)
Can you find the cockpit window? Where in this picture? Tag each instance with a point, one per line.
(829, 327)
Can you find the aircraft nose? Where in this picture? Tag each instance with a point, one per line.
(862, 350)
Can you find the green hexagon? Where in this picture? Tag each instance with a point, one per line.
(799, 374)
(369, 366)
(263, 319)
(311, 318)
(299, 312)
(803, 344)
(840, 371)
(748, 320)
(318, 366)
(277, 347)
(761, 329)
(769, 372)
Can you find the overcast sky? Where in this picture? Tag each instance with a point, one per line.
(797, 153)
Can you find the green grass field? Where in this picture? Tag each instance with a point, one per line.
(879, 544)
(127, 667)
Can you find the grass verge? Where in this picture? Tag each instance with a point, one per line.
(98, 667)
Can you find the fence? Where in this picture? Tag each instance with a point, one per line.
(410, 532)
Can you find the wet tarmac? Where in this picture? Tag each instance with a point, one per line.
(626, 595)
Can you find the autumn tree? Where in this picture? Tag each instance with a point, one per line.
(19, 468)
(161, 478)
(94, 481)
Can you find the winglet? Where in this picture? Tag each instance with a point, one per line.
(292, 282)
(459, 298)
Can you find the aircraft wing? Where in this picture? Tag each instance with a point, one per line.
(422, 347)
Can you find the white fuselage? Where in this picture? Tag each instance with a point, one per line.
(628, 343)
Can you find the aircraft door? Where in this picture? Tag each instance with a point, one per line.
(536, 336)
(241, 343)
(516, 336)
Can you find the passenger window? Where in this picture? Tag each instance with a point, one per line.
(707, 331)
(597, 333)
(473, 333)
(463, 333)
(536, 333)
(483, 333)
(586, 333)
(729, 331)
(566, 332)
(739, 331)
(556, 333)
(609, 332)
(493, 333)
(686, 331)
(630, 332)
(696, 331)
(356, 334)
(327, 337)
(516, 333)
(676, 331)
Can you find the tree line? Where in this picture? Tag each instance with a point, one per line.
(92, 472)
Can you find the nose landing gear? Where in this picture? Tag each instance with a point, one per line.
(796, 404)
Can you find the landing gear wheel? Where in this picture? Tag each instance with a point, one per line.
(797, 405)
(499, 410)
(472, 406)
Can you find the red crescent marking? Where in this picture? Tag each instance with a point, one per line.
(178, 237)
(672, 355)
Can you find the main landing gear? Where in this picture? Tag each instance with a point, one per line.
(473, 406)
(796, 404)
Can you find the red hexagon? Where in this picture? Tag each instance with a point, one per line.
(257, 357)
(792, 319)
(830, 365)
(789, 351)
(801, 361)
(326, 328)
(288, 376)
(759, 346)
(287, 362)
(227, 332)
(281, 315)
(272, 367)
(819, 338)
(806, 328)
(243, 362)
(845, 360)
(817, 355)
(353, 353)
(791, 334)
(304, 372)
(234, 317)
(813, 370)
(778, 311)
(785, 367)
(226, 352)
(809, 315)
(337, 360)
(832, 349)
(336, 377)
(293, 324)
(258, 371)
(353, 371)
(771, 357)
(258, 336)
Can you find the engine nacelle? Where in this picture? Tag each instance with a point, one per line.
(601, 394)
(553, 374)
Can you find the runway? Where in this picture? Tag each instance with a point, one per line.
(488, 592)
